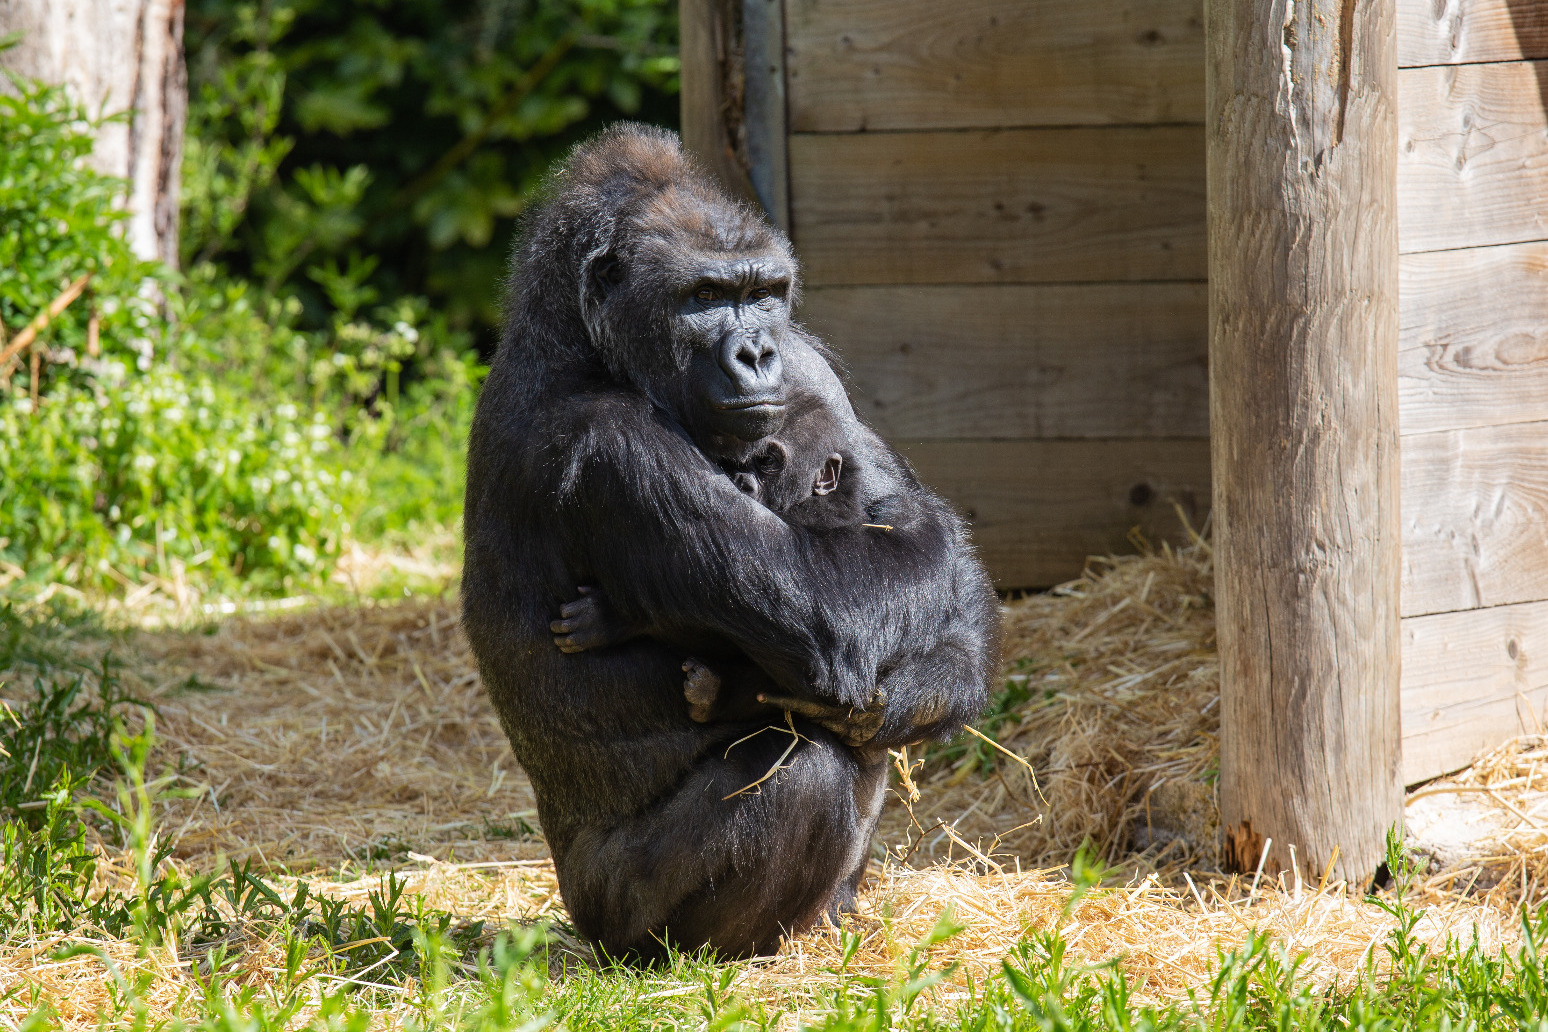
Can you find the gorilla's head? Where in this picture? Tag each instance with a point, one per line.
(681, 290)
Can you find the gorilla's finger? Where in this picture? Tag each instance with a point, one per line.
(818, 711)
(861, 728)
(561, 626)
(580, 605)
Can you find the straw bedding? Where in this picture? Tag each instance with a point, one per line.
(332, 744)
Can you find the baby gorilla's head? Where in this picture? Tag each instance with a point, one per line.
(782, 473)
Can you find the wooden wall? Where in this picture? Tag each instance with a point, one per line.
(1473, 376)
(1000, 209)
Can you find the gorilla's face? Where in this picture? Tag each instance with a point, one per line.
(690, 299)
(731, 321)
(701, 332)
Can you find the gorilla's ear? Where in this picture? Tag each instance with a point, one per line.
(600, 274)
(828, 476)
(603, 273)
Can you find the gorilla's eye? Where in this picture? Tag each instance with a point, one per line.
(761, 294)
(771, 461)
(707, 294)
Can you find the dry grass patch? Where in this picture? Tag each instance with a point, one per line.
(1111, 700)
(339, 735)
(331, 743)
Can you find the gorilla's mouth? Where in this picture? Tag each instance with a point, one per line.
(753, 405)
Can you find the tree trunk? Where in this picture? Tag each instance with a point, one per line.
(117, 56)
(1302, 151)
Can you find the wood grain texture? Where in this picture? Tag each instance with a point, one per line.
(1475, 518)
(1301, 113)
(1016, 205)
(1078, 360)
(1470, 681)
(922, 64)
(1038, 508)
(1432, 32)
(764, 119)
(1473, 156)
(1474, 340)
(705, 27)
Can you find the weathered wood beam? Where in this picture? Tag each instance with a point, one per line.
(763, 112)
(1300, 99)
(705, 39)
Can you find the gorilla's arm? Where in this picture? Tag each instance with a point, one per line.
(677, 548)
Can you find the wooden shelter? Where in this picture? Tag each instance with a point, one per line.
(1003, 207)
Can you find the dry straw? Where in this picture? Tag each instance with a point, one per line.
(1114, 689)
(331, 743)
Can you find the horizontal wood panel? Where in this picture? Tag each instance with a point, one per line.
(1464, 31)
(923, 64)
(1039, 508)
(1472, 156)
(1474, 339)
(1470, 681)
(1087, 360)
(1005, 206)
(1475, 518)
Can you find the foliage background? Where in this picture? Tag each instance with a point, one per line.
(353, 176)
(394, 144)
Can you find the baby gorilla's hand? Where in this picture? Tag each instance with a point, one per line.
(586, 623)
(701, 688)
(855, 726)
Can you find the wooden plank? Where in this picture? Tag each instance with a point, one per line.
(1038, 508)
(1474, 338)
(1472, 156)
(1432, 32)
(1007, 206)
(1471, 680)
(763, 118)
(878, 64)
(1475, 518)
(1069, 360)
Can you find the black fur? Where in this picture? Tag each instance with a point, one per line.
(583, 470)
(799, 474)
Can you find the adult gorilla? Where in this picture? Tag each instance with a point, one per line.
(649, 312)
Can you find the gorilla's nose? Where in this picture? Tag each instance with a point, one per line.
(752, 363)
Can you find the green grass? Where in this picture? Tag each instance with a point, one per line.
(75, 771)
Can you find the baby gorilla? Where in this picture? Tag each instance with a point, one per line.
(799, 475)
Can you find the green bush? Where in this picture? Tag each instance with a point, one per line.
(59, 221)
(141, 459)
(413, 132)
(139, 471)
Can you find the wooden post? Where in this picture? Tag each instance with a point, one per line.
(1302, 150)
(763, 110)
(705, 35)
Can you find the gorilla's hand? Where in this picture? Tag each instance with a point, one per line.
(855, 727)
(701, 687)
(589, 623)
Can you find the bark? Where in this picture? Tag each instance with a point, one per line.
(117, 57)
